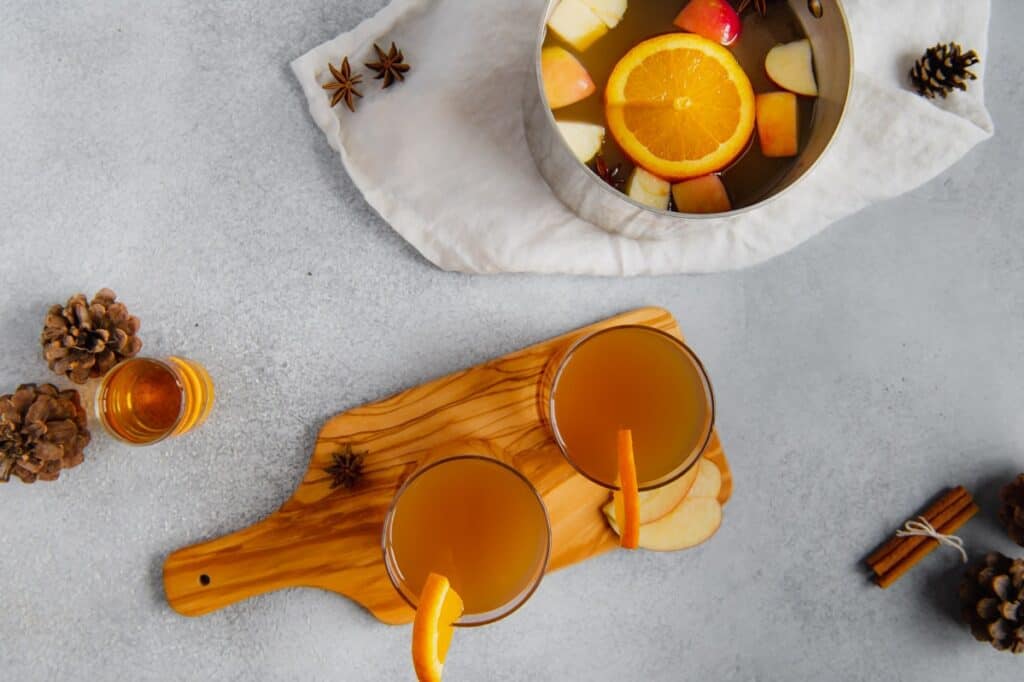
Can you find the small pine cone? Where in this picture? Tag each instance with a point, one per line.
(1011, 512)
(942, 69)
(42, 430)
(83, 340)
(992, 602)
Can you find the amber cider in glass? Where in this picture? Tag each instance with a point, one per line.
(637, 378)
(476, 521)
(143, 400)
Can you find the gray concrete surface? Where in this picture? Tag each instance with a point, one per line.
(164, 149)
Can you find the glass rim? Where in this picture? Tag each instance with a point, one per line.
(681, 345)
(494, 614)
(101, 390)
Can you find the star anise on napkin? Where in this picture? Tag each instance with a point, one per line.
(390, 66)
(344, 84)
(760, 5)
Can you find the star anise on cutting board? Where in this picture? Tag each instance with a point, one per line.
(390, 65)
(344, 84)
(347, 468)
(760, 5)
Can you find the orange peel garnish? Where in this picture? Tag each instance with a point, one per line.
(627, 502)
(438, 609)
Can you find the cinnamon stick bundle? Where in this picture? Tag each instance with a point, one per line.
(899, 554)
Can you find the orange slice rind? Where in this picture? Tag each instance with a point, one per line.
(438, 609)
(680, 106)
(627, 502)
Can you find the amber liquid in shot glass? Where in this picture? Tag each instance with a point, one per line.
(144, 400)
(636, 378)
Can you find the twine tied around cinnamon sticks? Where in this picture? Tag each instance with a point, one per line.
(922, 528)
(934, 527)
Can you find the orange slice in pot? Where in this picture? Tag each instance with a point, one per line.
(680, 106)
(438, 609)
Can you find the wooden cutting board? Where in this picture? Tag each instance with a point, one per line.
(330, 538)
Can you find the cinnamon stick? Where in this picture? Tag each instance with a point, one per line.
(911, 544)
(927, 547)
(940, 505)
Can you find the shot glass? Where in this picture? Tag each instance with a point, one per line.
(141, 401)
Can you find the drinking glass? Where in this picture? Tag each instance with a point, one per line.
(478, 522)
(630, 377)
(141, 401)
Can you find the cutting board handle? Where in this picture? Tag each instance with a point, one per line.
(214, 574)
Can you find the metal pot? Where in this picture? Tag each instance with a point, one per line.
(579, 188)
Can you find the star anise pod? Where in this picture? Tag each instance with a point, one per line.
(347, 468)
(613, 176)
(760, 5)
(344, 84)
(390, 65)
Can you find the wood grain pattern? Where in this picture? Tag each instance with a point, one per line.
(331, 538)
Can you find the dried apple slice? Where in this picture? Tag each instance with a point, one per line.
(688, 525)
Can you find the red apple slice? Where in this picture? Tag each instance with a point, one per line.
(714, 19)
(584, 139)
(648, 189)
(577, 24)
(791, 66)
(705, 194)
(608, 11)
(777, 124)
(566, 81)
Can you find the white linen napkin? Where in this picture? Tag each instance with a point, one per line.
(443, 156)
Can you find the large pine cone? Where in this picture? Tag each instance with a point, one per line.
(992, 602)
(1011, 512)
(42, 430)
(82, 340)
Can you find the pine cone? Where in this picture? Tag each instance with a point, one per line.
(83, 340)
(942, 69)
(992, 602)
(42, 430)
(1011, 512)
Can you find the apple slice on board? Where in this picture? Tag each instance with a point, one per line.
(584, 139)
(656, 503)
(566, 81)
(689, 524)
(706, 481)
(791, 66)
(575, 23)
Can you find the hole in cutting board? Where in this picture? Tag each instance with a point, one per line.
(204, 580)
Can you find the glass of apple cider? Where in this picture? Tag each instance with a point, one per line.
(478, 522)
(141, 401)
(637, 378)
